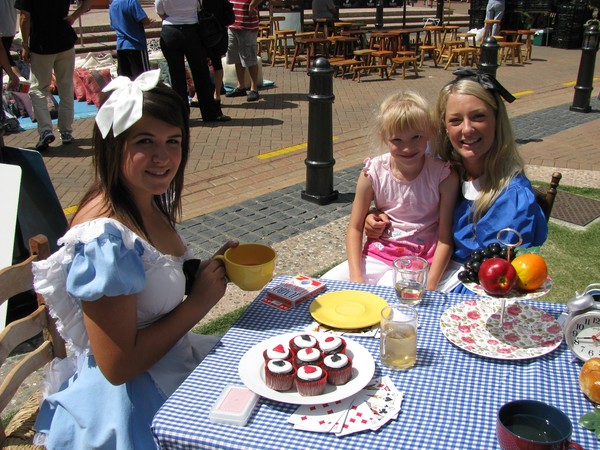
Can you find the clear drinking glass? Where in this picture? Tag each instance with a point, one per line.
(398, 337)
(410, 278)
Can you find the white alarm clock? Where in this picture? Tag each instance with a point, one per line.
(582, 326)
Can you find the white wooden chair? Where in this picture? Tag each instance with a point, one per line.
(16, 279)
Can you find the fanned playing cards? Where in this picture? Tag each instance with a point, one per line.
(370, 409)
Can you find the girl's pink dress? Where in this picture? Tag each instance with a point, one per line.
(412, 206)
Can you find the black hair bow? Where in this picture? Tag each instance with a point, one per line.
(484, 79)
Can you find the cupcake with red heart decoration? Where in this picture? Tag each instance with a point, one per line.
(303, 341)
(308, 357)
(332, 344)
(310, 380)
(339, 368)
(279, 374)
(279, 351)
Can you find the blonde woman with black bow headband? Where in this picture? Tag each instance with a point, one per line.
(475, 135)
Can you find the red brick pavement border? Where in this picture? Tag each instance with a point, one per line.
(224, 167)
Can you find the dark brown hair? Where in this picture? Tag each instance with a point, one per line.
(162, 103)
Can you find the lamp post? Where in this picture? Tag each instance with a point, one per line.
(583, 88)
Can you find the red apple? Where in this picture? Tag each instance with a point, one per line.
(497, 276)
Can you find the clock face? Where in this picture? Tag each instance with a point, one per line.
(583, 335)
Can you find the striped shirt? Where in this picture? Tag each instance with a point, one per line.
(243, 20)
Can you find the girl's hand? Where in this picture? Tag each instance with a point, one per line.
(375, 224)
(211, 279)
(227, 245)
(210, 284)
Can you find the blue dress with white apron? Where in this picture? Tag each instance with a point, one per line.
(81, 408)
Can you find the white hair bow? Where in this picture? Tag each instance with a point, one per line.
(124, 106)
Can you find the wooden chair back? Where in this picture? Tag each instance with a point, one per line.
(546, 199)
(488, 27)
(17, 279)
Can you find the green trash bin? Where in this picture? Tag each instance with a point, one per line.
(542, 37)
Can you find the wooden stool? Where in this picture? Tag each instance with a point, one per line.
(466, 36)
(528, 42)
(445, 51)
(305, 49)
(360, 69)
(322, 26)
(344, 46)
(509, 35)
(265, 44)
(264, 28)
(381, 43)
(513, 49)
(403, 61)
(281, 46)
(488, 28)
(343, 65)
(431, 43)
(450, 32)
(462, 55)
(363, 55)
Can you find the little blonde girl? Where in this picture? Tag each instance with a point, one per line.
(415, 191)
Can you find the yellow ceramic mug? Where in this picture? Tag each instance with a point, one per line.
(249, 266)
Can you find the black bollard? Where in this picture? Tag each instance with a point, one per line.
(585, 77)
(488, 62)
(319, 161)
(439, 11)
(379, 14)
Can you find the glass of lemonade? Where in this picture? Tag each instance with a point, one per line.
(410, 278)
(398, 337)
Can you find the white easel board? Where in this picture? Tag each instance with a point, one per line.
(10, 186)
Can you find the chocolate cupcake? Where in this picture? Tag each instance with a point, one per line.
(279, 374)
(339, 368)
(308, 357)
(303, 341)
(310, 380)
(279, 351)
(332, 344)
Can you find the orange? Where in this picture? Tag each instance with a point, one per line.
(532, 271)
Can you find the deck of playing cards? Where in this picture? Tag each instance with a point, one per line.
(370, 409)
(293, 291)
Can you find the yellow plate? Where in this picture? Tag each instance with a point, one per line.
(347, 309)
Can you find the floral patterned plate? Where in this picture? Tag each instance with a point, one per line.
(514, 293)
(527, 331)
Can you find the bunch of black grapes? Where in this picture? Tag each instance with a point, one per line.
(493, 250)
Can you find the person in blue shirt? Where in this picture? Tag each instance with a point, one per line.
(128, 19)
(475, 135)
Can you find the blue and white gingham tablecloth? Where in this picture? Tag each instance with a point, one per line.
(451, 396)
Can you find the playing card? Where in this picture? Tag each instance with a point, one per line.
(385, 403)
(359, 418)
(324, 418)
(371, 408)
(383, 399)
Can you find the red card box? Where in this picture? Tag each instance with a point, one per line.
(295, 290)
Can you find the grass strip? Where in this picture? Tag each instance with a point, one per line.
(572, 257)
